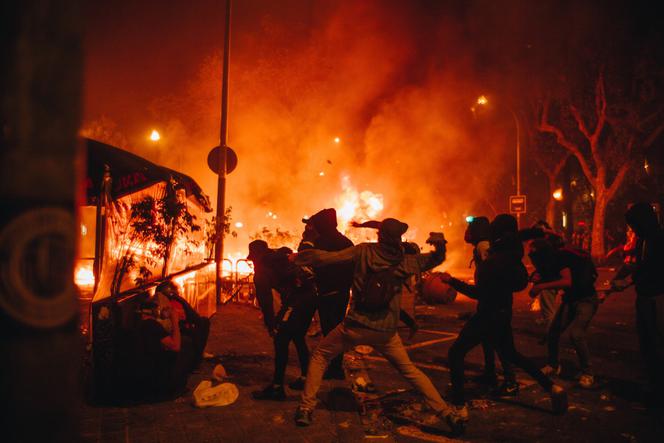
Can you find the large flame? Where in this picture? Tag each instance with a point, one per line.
(354, 205)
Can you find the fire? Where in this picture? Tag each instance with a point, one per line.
(354, 205)
(83, 276)
(482, 100)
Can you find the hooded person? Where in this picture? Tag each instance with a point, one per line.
(645, 272)
(498, 277)
(477, 234)
(334, 281)
(374, 324)
(273, 271)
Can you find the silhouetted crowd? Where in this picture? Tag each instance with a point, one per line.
(327, 268)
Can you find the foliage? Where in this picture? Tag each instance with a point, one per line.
(212, 230)
(154, 226)
(277, 237)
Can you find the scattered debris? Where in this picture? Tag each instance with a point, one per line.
(629, 437)
(278, 419)
(480, 404)
(413, 431)
(206, 395)
(609, 408)
(363, 349)
(219, 373)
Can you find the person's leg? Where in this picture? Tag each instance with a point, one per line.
(650, 329)
(299, 323)
(548, 305)
(501, 333)
(583, 312)
(396, 354)
(332, 344)
(332, 312)
(470, 336)
(281, 342)
(560, 321)
(489, 359)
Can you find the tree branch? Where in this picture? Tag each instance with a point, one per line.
(566, 143)
(620, 175)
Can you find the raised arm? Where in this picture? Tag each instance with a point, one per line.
(316, 257)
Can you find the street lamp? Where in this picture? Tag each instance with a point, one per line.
(155, 136)
(482, 100)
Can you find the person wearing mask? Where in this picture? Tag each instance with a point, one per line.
(272, 270)
(333, 281)
(645, 272)
(375, 324)
(498, 277)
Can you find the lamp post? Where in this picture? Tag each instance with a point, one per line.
(482, 100)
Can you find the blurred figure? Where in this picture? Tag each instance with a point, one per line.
(646, 274)
(499, 276)
(298, 304)
(333, 281)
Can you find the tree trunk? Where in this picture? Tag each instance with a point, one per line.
(597, 248)
(551, 204)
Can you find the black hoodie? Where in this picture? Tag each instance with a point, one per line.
(649, 264)
(336, 278)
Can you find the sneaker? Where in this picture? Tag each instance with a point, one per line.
(303, 416)
(508, 388)
(586, 381)
(558, 399)
(271, 392)
(550, 371)
(456, 418)
(298, 384)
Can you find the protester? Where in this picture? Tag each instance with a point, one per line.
(374, 325)
(576, 276)
(646, 273)
(499, 276)
(477, 234)
(191, 324)
(159, 364)
(547, 297)
(333, 281)
(272, 270)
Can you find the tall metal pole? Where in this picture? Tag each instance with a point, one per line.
(221, 161)
(518, 160)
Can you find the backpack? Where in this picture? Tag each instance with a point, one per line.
(379, 289)
(584, 270)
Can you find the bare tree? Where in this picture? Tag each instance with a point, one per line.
(604, 140)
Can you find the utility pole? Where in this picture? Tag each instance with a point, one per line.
(221, 161)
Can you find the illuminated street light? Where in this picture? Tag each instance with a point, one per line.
(483, 101)
(337, 140)
(154, 135)
(558, 194)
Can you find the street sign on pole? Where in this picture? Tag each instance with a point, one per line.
(517, 204)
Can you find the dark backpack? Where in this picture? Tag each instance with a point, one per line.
(379, 289)
(583, 268)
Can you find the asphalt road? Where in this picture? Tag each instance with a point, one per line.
(610, 412)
